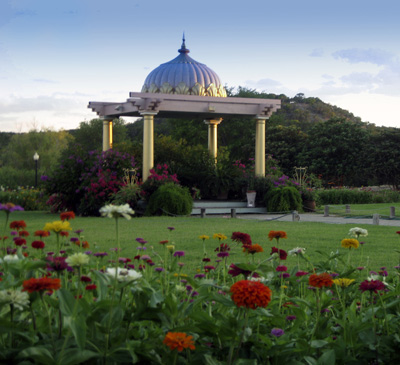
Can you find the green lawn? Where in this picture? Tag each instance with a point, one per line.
(363, 210)
(378, 250)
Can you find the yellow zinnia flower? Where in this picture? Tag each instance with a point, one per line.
(204, 237)
(170, 248)
(57, 226)
(219, 236)
(350, 243)
(343, 282)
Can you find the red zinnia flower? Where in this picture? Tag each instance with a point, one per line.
(41, 284)
(320, 280)
(179, 341)
(23, 233)
(91, 287)
(17, 225)
(20, 241)
(64, 234)
(282, 253)
(244, 238)
(38, 245)
(372, 286)
(42, 234)
(163, 242)
(66, 216)
(281, 268)
(250, 294)
(86, 279)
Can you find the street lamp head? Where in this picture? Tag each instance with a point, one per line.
(36, 156)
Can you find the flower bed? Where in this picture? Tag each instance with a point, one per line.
(63, 302)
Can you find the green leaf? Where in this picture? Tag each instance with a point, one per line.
(327, 358)
(246, 362)
(155, 298)
(78, 328)
(318, 343)
(74, 356)
(41, 355)
(209, 360)
(310, 360)
(67, 302)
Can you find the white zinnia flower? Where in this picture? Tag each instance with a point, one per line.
(11, 258)
(77, 259)
(116, 211)
(123, 274)
(14, 297)
(356, 232)
(297, 251)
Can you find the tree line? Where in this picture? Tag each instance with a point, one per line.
(306, 132)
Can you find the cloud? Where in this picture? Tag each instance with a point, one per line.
(39, 103)
(356, 55)
(263, 83)
(317, 52)
(360, 78)
(45, 81)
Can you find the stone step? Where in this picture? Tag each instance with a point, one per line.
(225, 207)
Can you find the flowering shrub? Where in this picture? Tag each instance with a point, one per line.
(68, 305)
(159, 175)
(86, 181)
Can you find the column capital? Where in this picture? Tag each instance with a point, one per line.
(148, 113)
(213, 121)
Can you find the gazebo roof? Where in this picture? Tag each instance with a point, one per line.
(184, 75)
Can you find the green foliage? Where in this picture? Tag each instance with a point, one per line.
(13, 178)
(128, 194)
(29, 199)
(283, 199)
(90, 134)
(170, 199)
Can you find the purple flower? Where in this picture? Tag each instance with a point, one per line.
(171, 228)
(10, 207)
(284, 275)
(159, 269)
(200, 276)
(78, 231)
(223, 254)
(141, 240)
(14, 233)
(291, 318)
(145, 257)
(179, 253)
(277, 332)
(100, 254)
(74, 239)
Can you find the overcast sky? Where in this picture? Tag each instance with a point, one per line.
(57, 55)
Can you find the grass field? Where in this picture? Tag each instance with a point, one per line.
(378, 250)
(363, 210)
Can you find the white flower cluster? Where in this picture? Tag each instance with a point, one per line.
(9, 258)
(16, 298)
(77, 259)
(297, 251)
(357, 232)
(123, 274)
(116, 211)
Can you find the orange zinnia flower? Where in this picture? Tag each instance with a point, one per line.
(254, 248)
(179, 341)
(277, 235)
(250, 294)
(41, 233)
(66, 216)
(85, 244)
(41, 284)
(320, 280)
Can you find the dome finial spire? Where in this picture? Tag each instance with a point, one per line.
(183, 46)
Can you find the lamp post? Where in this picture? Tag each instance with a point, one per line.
(36, 158)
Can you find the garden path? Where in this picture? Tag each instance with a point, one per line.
(312, 217)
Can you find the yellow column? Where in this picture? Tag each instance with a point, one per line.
(148, 144)
(213, 136)
(107, 134)
(260, 148)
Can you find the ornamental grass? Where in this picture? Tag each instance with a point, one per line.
(242, 303)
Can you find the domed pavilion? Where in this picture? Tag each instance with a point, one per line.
(185, 88)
